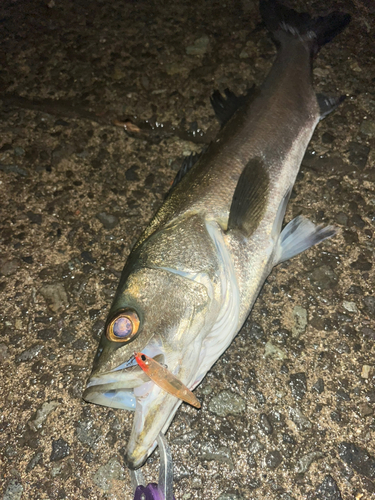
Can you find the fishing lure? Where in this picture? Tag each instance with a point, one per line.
(165, 379)
(163, 490)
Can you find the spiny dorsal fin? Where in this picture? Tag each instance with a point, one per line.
(250, 198)
(225, 107)
(187, 164)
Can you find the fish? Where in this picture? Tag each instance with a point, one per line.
(192, 278)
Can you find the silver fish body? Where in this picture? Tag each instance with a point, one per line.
(195, 273)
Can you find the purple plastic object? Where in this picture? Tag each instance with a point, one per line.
(149, 492)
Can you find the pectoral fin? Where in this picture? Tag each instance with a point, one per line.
(250, 198)
(299, 235)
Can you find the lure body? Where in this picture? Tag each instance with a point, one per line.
(165, 379)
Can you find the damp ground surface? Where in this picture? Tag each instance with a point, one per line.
(288, 412)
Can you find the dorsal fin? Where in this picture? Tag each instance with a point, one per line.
(225, 107)
(250, 198)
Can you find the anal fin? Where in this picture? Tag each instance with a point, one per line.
(299, 235)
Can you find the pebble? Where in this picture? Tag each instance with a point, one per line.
(55, 296)
(86, 432)
(220, 454)
(358, 459)
(328, 490)
(14, 169)
(358, 154)
(265, 424)
(365, 371)
(323, 277)
(350, 306)
(319, 386)
(368, 127)
(13, 491)
(104, 475)
(369, 303)
(273, 459)
(4, 352)
(227, 403)
(9, 266)
(304, 463)
(34, 461)
(299, 321)
(60, 450)
(298, 385)
(30, 353)
(273, 351)
(42, 414)
(302, 422)
(200, 46)
(109, 221)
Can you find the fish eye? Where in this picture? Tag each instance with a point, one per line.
(123, 327)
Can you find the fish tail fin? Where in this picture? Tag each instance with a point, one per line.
(285, 24)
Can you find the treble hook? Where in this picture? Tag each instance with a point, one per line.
(164, 489)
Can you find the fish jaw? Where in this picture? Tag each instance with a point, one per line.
(155, 408)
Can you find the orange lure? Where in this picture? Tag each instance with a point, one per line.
(165, 379)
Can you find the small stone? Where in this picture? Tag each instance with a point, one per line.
(323, 277)
(34, 461)
(18, 151)
(106, 473)
(342, 218)
(34, 218)
(55, 296)
(13, 491)
(365, 373)
(9, 267)
(60, 450)
(87, 257)
(358, 459)
(273, 459)
(369, 303)
(298, 385)
(108, 221)
(350, 306)
(302, 422)
(368, 127)
(265, 424)
(342, 395)
(365, 410)
(30, 353)
(299, 320)
(319, 386)
(255, 447)
(131, 173)
(304, 463)
(327, 490)
(200, 46)
(4, 354)
(273, 351)
(221, 454)
(227, 403)
(42, 414)
(358, 154)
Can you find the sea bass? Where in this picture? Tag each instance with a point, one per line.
(192, 278)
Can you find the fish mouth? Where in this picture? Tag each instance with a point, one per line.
(115, 388)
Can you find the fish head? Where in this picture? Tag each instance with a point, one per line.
(162, 314)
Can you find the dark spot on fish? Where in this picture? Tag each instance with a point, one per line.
(143, 357)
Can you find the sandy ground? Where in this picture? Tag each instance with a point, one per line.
(288, 411)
